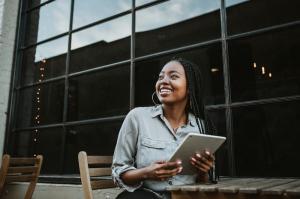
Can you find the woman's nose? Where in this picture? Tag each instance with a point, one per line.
(166, 79)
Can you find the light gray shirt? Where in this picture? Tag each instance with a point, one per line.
(144, 138)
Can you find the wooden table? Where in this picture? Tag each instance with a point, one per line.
(240, 188)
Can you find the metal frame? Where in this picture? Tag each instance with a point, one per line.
(223, 41)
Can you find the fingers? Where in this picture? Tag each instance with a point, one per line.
(167, 170)
(203, 161)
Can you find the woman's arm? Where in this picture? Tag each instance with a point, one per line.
(159, 171)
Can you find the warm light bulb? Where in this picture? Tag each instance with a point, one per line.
(263, 70)
(34, 139)
(254, 65)
(270, 75)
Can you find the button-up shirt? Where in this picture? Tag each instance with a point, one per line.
(145, 137)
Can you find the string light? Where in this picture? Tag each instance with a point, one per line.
(254, 65)
(38, 100)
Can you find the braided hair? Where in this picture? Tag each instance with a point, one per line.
(196, 103)
(196, 95)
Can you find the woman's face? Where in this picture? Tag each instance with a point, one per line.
(171, 86)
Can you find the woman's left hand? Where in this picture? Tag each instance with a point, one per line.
(203, 162)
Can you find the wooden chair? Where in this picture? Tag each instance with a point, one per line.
(20, 170)
(95, 173)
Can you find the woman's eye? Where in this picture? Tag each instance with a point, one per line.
(160, 77)
(174, 77)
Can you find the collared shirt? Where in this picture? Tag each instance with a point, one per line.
(145, 137)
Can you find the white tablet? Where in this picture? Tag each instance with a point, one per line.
(195, 143)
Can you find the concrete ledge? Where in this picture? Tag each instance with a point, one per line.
(57, 191)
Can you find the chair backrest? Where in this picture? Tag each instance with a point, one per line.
(95, 173)
(20, 170)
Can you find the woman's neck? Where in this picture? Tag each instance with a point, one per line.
(175, 114)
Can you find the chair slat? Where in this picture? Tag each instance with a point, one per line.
(23, 169)
(23, 161)
(102, 184)
(100, 171)
(20, 178)
(99, 159)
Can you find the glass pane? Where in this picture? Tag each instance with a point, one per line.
(209, 59)
(44, 61)
(48, 21)
(95, 139)
(265, 66)
(102, 44)
(141, 2)
(245, 15)
(266, 140)
(41, 104)
(98, 94)
(218, 119)
(88, 11)
(34, 3)
(176, 23)
(46, 142)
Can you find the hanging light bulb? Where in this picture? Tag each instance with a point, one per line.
(270, 75)
(263, 70)
(254, 65)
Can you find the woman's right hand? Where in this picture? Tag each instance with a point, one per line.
(162, 170)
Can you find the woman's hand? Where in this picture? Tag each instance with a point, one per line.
(203, 162)
(162, 170)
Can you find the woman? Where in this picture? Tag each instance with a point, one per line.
(149, 135)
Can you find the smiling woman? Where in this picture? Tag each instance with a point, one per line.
(149, 135)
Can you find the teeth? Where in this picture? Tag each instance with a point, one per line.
(165, 90)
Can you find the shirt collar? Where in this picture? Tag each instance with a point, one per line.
(158, 111)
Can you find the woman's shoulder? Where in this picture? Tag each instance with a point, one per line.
(141, 111)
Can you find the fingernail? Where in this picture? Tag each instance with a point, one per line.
(198, 155)
(194, 159)
(179, 162)
(207, 152)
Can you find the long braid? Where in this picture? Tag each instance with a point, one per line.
(196, 106)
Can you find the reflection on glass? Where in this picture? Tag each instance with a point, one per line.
(34, 3)
(88, 11)
(101, 44)
(265, 66)
(46, 142)
(268, 135)
(97, 139)
(48, 21)
(98, 94)
(246, 15)
(39, 105)
(44, 61)
(176, 23)
(141, 2)
(209, 59)
(22, 143)
(218, 119)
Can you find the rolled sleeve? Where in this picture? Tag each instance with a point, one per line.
(117, 172)
(125, 151)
